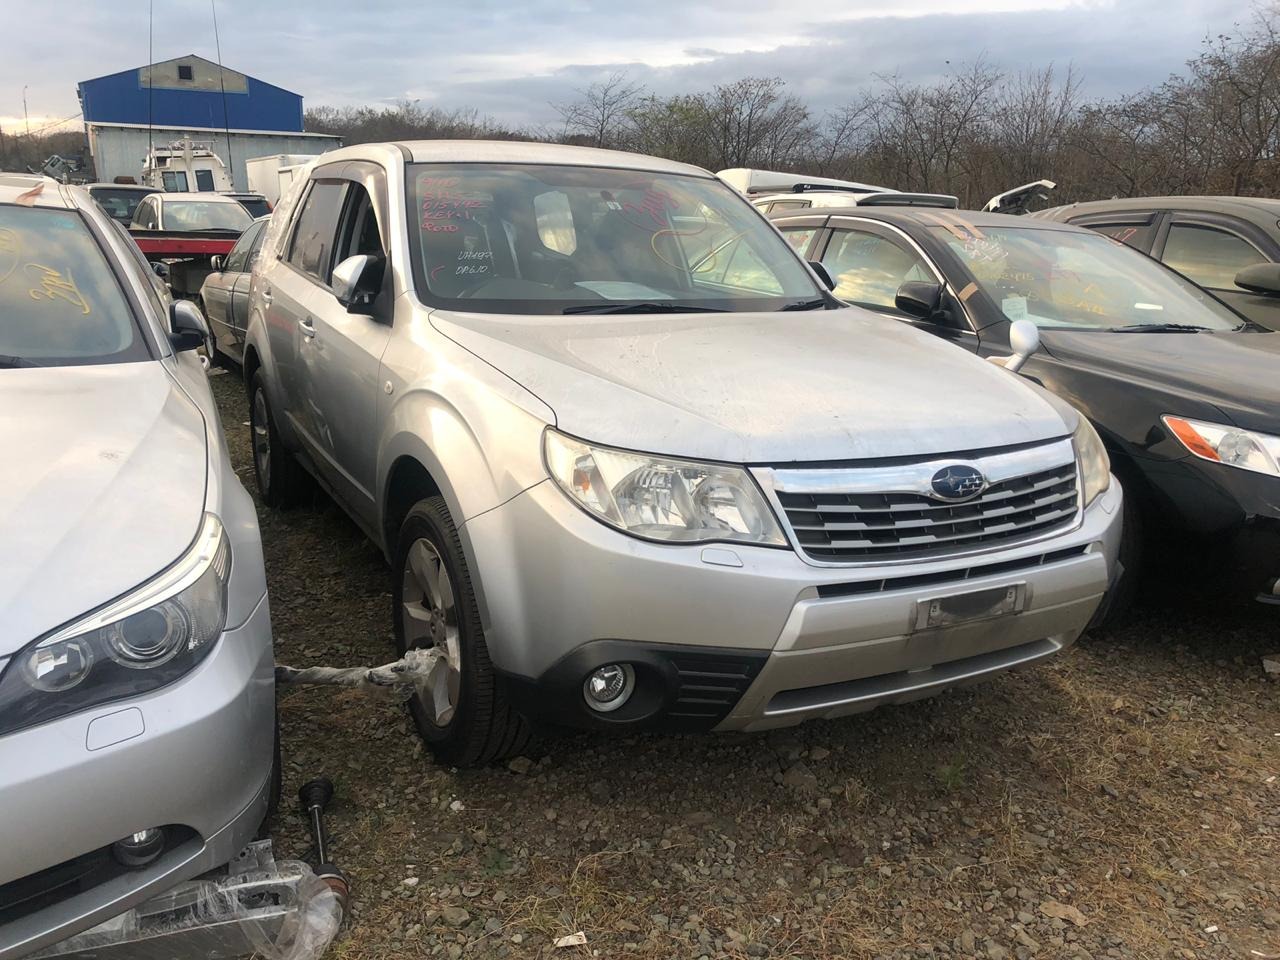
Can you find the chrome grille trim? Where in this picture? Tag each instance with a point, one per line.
(887, 514)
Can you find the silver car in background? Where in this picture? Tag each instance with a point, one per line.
(634, 467)
(224, 295)
(136, 675)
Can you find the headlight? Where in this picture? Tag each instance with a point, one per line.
(1095, 465)
(1259, 452)
(659, 498)
(133, 645)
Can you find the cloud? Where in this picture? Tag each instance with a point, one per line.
(512, 59)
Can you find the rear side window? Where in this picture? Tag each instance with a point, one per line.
(312, 248)
(1209, 256)
(799, 237)
(60, 302)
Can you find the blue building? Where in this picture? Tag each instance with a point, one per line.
(190, 97)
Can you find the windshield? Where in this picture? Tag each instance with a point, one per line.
(544, 239)
(59, 301)
(1061, 279)
(186, 215)
(118, 202)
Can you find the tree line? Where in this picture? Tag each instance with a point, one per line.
(1213, 128)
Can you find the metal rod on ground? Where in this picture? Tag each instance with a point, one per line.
(314, 796)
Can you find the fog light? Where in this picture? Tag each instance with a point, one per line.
(609, 687)
(139, 849)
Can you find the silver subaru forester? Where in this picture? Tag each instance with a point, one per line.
(136, 676)
(633, 465)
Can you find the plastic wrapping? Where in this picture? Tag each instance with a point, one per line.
(277, 911)
(398, 680)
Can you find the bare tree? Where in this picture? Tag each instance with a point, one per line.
(601, 112)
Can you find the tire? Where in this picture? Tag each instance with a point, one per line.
(466, 721)
(281, 479)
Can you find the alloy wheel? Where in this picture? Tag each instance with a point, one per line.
(429, 616)
(261, 438)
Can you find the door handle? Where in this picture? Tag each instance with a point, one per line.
(308, 327)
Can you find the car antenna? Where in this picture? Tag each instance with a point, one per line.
(222, 85)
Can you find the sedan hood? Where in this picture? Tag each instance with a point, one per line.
(1237, 372)
(760, 387)
(103, 487)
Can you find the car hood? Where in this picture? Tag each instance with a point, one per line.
(103, 487)
(760, 387)
(1237, 372)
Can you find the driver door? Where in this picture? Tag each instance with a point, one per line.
(344, 357)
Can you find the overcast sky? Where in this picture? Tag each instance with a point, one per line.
(509, 59)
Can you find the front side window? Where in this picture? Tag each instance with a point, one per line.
(544, 239)
(868, 269)
(183, 216)
(60, 302)
(1061, 279)
(1209, 256)
(238, 258)
(313, 237)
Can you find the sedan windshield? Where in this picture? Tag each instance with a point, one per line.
(1061, 279)
(187, 215)
(551, 239)
(59, 301)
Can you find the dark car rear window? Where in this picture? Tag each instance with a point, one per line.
(60, 301)
(257, 206)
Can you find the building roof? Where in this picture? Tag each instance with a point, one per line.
(227, 72)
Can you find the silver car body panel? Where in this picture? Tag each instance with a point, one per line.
(118, 463)
(466, 397)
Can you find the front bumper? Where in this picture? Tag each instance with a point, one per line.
(744, 638)
(195, 755)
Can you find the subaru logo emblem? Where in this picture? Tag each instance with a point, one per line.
(958, 482)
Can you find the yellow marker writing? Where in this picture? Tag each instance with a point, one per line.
(52, 285)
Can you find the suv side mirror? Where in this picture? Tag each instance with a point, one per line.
(216, 263)
(823, 273)
(1261, 278)
(355, 282)
(1024, 339)
(187, 329)
(919, 298)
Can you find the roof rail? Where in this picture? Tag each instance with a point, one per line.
(942, 200)
(831, 188)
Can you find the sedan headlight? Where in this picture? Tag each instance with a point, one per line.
(135, 644)
(660, 498)
(1259, 452)
(1095, 465)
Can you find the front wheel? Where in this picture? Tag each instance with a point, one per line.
(462, 715)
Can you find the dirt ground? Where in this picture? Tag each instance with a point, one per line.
(1122, 800)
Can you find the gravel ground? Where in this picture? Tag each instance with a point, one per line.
(1120, 801)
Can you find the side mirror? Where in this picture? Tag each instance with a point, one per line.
(216, 262)
(919, 299)
(355, 282)
(1261, 278)
(187, 329)
(160, 269)
(1024, 339)
(823, 273)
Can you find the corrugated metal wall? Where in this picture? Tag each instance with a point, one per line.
(119, 151)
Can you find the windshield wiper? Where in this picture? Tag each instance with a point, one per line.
(8, 362)
(657, 306)
(818, 304)
(1158, 328)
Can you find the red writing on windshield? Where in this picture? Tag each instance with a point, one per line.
(443, 202)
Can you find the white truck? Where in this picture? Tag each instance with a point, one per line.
(271, 176)
(183, 166)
